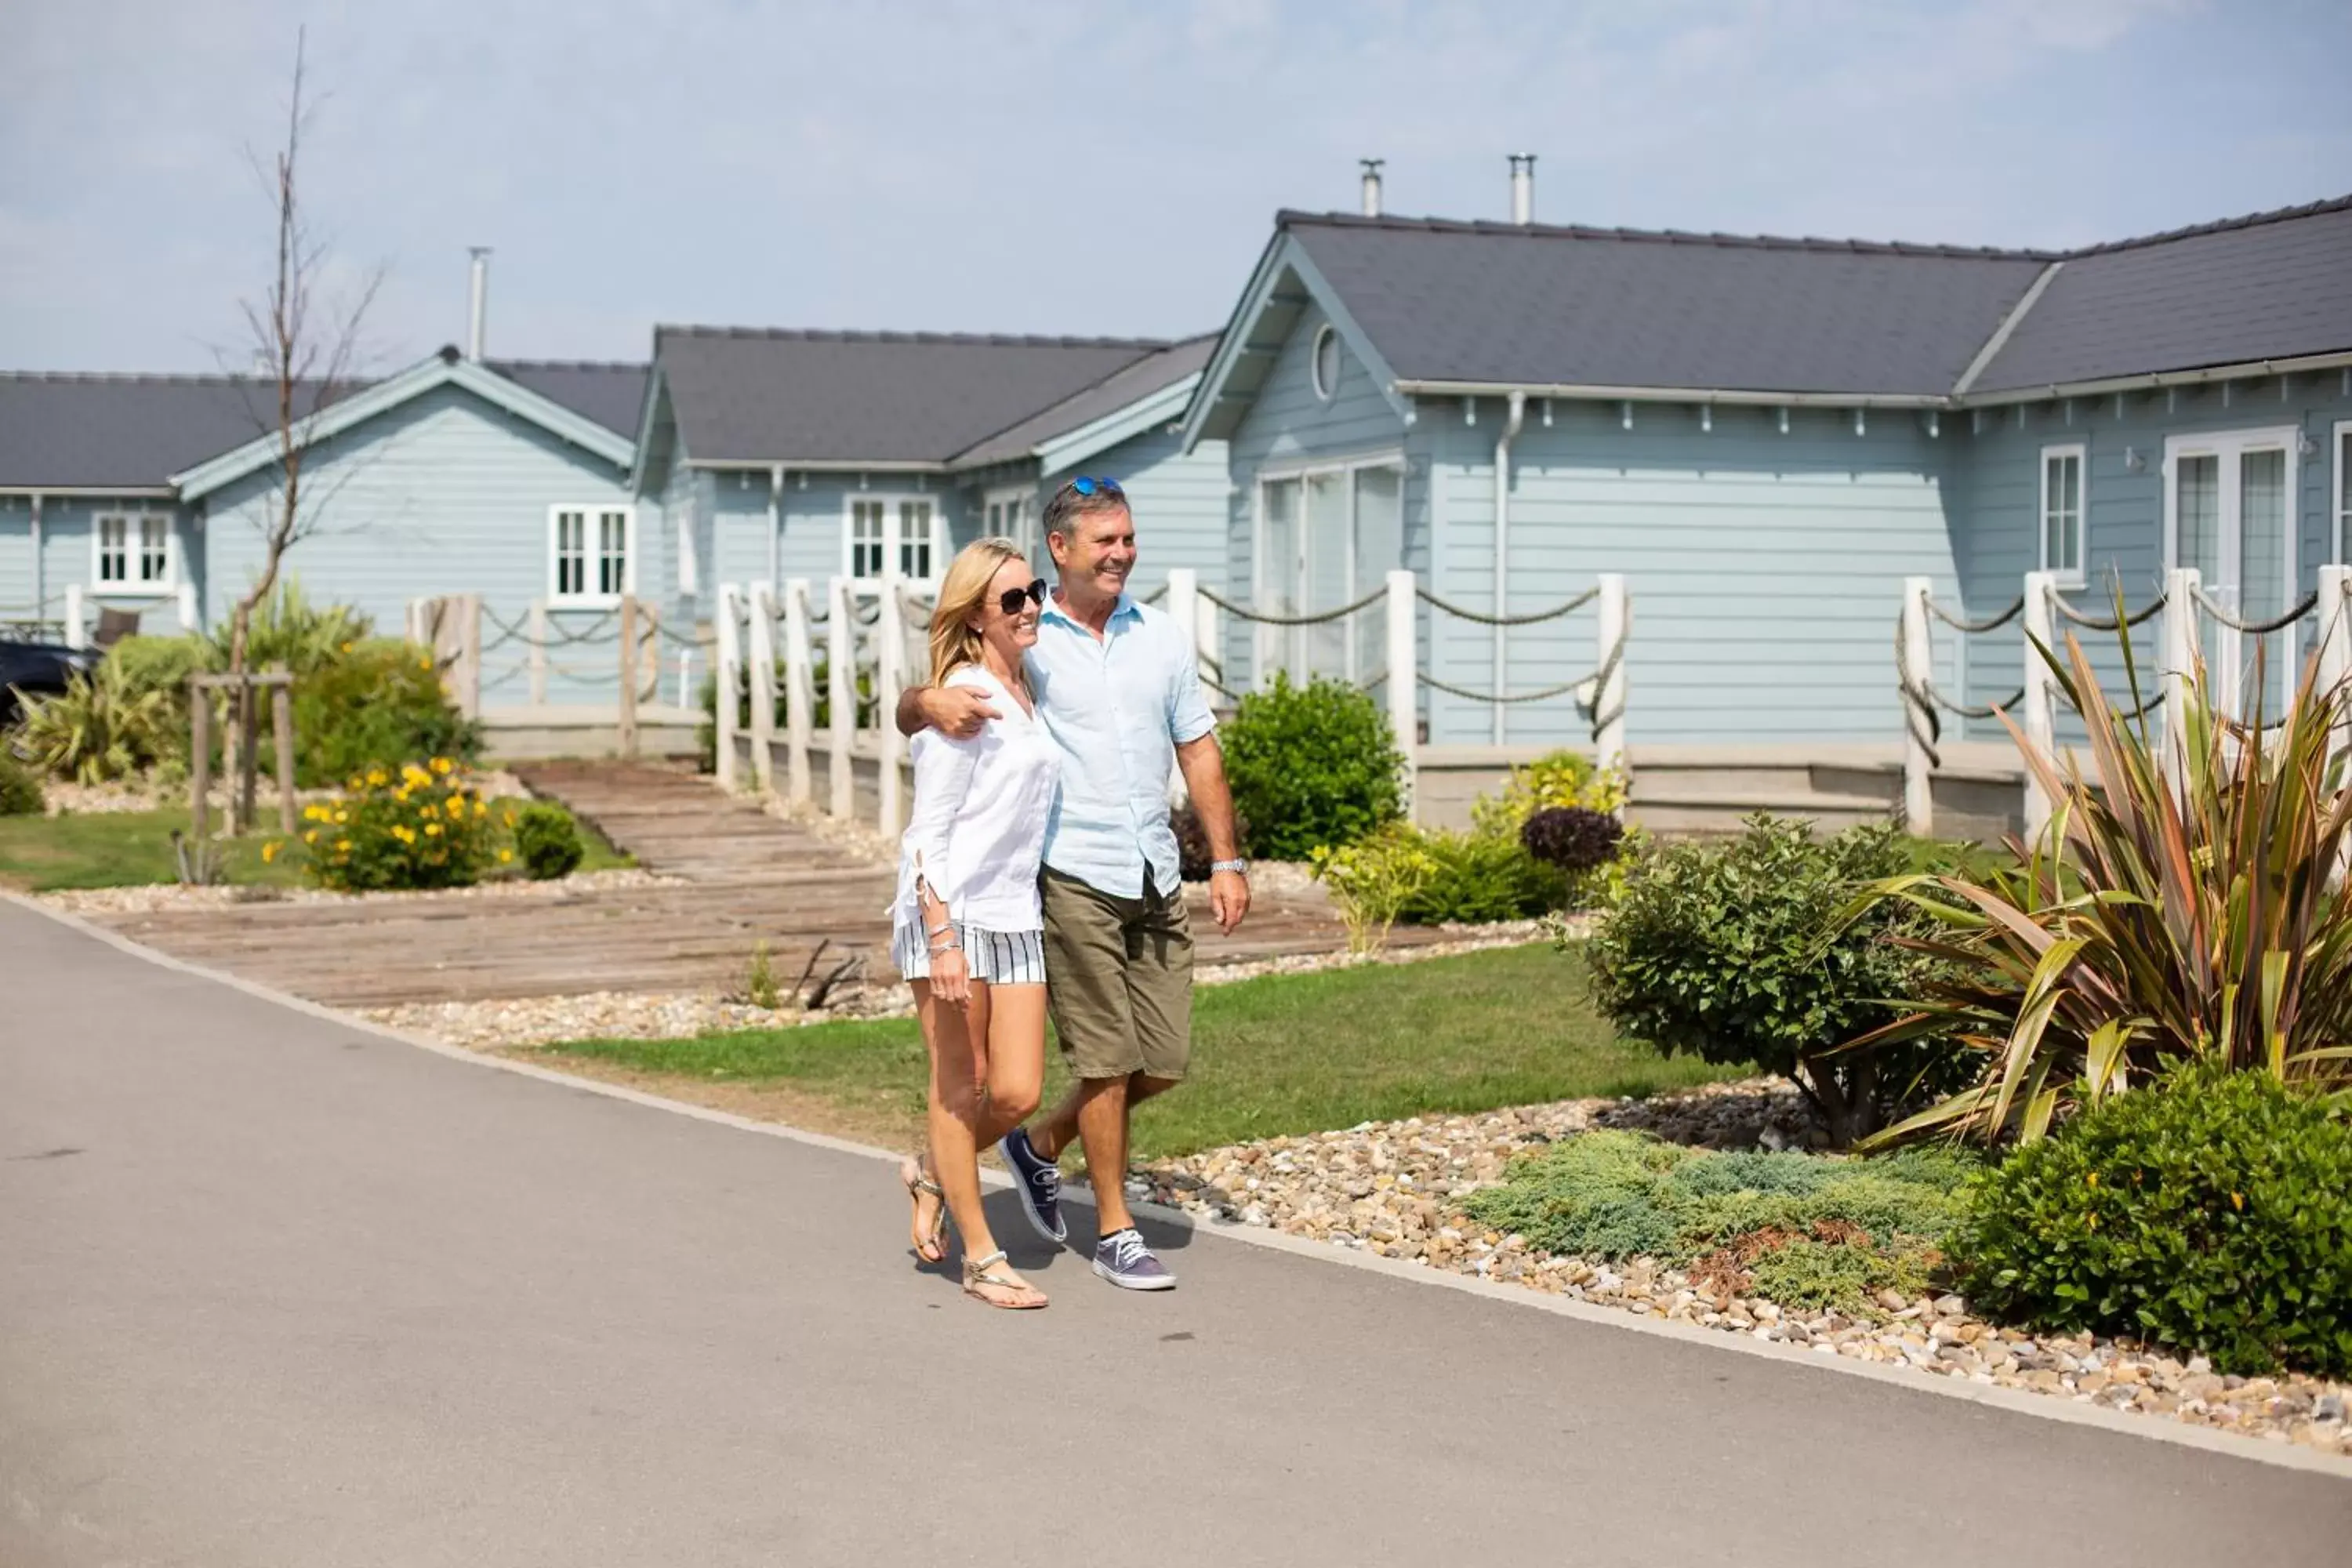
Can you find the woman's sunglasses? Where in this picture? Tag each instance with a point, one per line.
(1012, 599)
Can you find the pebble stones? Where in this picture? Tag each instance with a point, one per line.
(162, 896)
(1391, 1188)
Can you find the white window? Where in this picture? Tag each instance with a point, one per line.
(2343, 487)
(1012, 514)
(2229, 511)
(1326, 362)
(1327, 536)
(2063, 469)
(131, 552)
(592, 554)
(902, 536)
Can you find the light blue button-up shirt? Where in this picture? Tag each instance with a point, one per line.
(1118, 706)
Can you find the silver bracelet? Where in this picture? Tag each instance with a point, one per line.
(1239, 868)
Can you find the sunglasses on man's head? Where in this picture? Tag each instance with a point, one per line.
(1010, 600)
(1087, 487)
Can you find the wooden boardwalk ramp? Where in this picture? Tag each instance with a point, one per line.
(743, 877)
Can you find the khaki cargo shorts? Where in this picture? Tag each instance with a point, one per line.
(1119, 979)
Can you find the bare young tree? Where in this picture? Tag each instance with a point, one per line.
(305, 352)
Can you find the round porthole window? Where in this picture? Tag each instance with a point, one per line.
(1327, 363)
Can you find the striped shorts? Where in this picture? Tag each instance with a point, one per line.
(998, 957)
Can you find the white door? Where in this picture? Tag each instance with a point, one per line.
(2229, 505)
(1328, 573)
(1379, 551)
(1279, 542)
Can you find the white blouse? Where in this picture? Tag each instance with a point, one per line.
(978, 828)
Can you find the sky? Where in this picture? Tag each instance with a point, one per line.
(1059, 166)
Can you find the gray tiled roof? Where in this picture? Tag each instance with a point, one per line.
(89, 432)
(1107, 397)
(2273, 286)
(759, 397)
(1534, 305)
(613, 396)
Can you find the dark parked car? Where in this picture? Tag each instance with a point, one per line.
(37, 668)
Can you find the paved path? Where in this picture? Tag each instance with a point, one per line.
(275, 1292)
(749, 878)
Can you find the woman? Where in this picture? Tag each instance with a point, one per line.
(968, 932)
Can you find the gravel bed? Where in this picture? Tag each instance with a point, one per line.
(1392, 1188)
(61, 799)
(164, 896)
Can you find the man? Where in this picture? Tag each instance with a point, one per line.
(1118, 687)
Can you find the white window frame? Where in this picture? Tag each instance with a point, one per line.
(893, 539)
(2069, 576)
(1284, 646)
(135, 522)
(2231, 447)
(1323, 334)
(592, 514)
(2339, 500)
(1019, 504)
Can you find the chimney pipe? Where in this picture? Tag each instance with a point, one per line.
(1372, 186)
(478, 318)
(1523, 187)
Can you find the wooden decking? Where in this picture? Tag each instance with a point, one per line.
(749, 878)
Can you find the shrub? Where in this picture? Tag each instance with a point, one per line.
(1583, 844)
(547, 841)
(2151, 924)
(20, 788)
(97, 729)
(1804, 1231)
(2212, 1210)
(287, 628)
(416, 827)
(1734, 952)
(162, 665)
(1193, 853)
(369, 708)
(1310, 765)
(1476, 880)
(1374, 880)
(1562, 778)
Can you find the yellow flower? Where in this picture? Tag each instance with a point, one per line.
(2237, 1201)
(2092, 1179)
(405, 834)
(481, 808)
(505, 856)
(376, 779)
(270, 852)
(355, 781)
(347, 647)
(314, 814)
(312, 837)
(442, 765)
(433, 830)
(456, 806)
(342, 846)
(509, 817)
(425, 664)
(342, 817)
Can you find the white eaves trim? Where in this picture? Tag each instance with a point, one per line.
(1073, 448)
(432, 374)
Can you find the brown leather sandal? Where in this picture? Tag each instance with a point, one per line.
(979, 1276)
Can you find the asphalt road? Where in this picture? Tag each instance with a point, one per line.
(276, 1293)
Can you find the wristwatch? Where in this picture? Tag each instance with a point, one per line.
(1239, 868)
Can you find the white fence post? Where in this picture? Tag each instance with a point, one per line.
(729, 674)
(890, 678)
(763, 655)
(2176, 666)
(2335, 651)
(1404, 684)
(1616, 620)
(2041, 727)
(187, 602)
(1919, 671)
(539, 653)
(1184, 609)
(74, 634)
(841, 694)
(800, 691)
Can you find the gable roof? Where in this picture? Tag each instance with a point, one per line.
(1098, 416)
(130, 434)
(2272, 287)
(1527, 305)
(447, 368)
(846, 399)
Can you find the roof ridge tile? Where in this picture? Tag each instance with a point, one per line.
(846, 335)
(2218, 225)
(1290, 218)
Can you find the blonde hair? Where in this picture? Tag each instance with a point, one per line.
(962, 594)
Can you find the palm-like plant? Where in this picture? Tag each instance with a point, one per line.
(99, 728)
(2194, 910)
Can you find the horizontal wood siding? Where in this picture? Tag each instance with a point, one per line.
(441, 495)
(2124, 543)
(67, 559)
(1764, 569)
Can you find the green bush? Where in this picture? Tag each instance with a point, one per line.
(2210, 1210)
(547, 841)
(1559, 779)
(1477, 879)
(287, 629)
(1372, 880)
(97, 730)
(375, 704)
(1801, 1230)
(20, 788)
(1734, 953)
(1312, 765)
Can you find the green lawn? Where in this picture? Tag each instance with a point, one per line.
(1284, 1054)
(131, 848)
